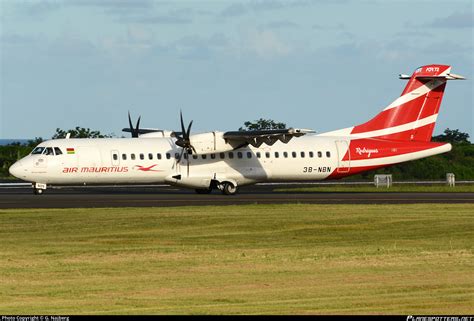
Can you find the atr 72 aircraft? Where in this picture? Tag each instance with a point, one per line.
(226, 160)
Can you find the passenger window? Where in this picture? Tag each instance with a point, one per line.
(302, 154)
(204, 156)
(168, 155)
(150, 156)
(249, 155)
(239, 154)
(176, 155)
(132, 156)
(311, 154)
(267, 154)
(213, 156)
(57, 151)
(259, 155)
(158, 156)
(328, 154)
(142, 157)
(115, 156)
(277, 154)
(293, 154)
(320, 154)
(231, 155)
(195, 156)
(124, 156)
(285, 154)
(222, 155)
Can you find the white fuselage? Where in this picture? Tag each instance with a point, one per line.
(154, 160)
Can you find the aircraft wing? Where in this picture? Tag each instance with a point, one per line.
(258, 137)
(142, 131)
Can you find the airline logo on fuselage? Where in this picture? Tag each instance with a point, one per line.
(147, 169)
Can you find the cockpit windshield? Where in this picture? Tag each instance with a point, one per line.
(51, 151)
(48, 151)
(37, 151)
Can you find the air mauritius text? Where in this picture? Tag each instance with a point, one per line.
(105, 169)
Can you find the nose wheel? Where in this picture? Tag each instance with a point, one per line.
(38, 191)
(39, 188)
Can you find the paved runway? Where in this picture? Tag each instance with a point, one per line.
(72, 197)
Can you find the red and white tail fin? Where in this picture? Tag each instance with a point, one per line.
(412, 116)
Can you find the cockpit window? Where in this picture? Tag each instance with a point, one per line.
(37, 150)
(57, 151)
(48, 151)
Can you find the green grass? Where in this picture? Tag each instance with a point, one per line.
(256, 259)
(398, 188)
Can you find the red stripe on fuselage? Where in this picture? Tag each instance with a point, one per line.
(370, 148)
(353, 170)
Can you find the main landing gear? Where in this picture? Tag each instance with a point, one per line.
(227, 188)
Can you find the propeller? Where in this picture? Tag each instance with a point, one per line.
(184, 141)
(134, 130)
(184, 137)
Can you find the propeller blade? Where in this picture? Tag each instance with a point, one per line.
(184, 141)
(138, 124)
(182, 124)
(133, 130)
(180, 156)
(188, 133)
(188, 165)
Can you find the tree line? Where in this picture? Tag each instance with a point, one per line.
(459, 161)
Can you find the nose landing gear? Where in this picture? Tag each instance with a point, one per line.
(39, 188)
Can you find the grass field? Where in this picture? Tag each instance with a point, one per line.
(397, 188)
(256, 259)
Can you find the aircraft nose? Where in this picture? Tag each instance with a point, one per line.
(16, 169)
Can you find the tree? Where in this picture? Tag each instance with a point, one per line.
(262, 124)
(79, 132)
(453, 136)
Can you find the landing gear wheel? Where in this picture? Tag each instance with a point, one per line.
(38, 191)
(229, 188)
(203, 190)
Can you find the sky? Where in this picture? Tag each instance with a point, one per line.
(321, 65)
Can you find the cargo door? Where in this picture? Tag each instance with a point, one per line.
(343, 156)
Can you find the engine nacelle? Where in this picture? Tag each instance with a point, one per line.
(158, 133)
(211, 142)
